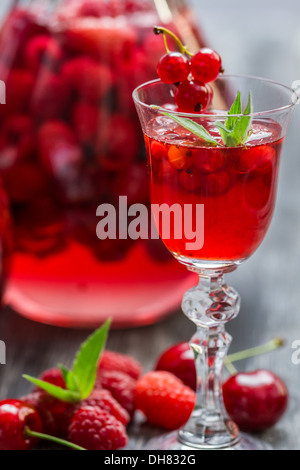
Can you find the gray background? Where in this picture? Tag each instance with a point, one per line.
(258, 38)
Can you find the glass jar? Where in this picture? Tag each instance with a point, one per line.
(69, 142)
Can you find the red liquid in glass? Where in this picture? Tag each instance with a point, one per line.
(236, 185)
(70, 140)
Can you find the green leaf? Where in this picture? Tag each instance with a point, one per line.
(86, 360)
(69, 378)
(239, 126)
(236, 108)
(191, 126)
(57, 392)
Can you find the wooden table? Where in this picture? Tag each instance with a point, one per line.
(265, 44)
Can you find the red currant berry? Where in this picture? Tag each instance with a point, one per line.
(255, 400)
(15, 416)
(173, 68)
(192, 97)
(206, 65)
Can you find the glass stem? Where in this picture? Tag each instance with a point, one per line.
(210, 305)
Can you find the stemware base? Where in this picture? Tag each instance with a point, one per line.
(172, 441)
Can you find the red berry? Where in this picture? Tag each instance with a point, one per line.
(192, 97)
(113, 361)
(164, 399)
(42, 50)
(208, 160)
(133, 183)
(118, 144)
(19, 87)
(120, 385)
(53, 376)
(15, 415)
(95, 429)
(173, 68)
(89, 79)
(179, 360)
(190, 180)
(255, 400)
(55, 414)
(206, 65)
(104, 399)
(87, 121)
(18, 132)
(25, 182)
(50, 97)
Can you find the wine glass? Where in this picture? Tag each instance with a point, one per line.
(224, 197)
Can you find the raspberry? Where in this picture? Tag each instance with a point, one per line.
(14, 417)
(58, 148)
(89, 79)
(50, 97)
(121, 386)
(164, 399)
(55, 414)
(95, 429)
(19, 130)
(118, 144)
(42, 50)
(19, 87)
(104, 400)
(53, 376)
(113, 361)
(87, 120)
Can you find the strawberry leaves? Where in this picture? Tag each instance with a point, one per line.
(80, 380)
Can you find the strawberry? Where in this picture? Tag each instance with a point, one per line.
(164, 399)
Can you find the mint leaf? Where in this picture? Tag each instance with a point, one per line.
(236, 129)
(236, 108)
(191, 126)
(86, 360)
(80, 381)
(57, 392)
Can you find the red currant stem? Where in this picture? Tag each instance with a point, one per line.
(161, 30)
(275, 343)
(166, 43)
(46, 437)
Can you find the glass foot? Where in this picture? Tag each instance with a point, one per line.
(171, 442)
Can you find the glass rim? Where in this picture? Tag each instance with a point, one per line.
(294, 99)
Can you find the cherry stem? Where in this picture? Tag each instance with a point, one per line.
(275, 343)
(161, 30)
(38, 435)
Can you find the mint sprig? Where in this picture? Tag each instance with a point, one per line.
(80, 380)
(234, 131)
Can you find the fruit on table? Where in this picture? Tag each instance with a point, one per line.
(255, 400)
(164, 399)
(15, 416)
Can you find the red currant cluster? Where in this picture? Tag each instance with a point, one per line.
(191, 73)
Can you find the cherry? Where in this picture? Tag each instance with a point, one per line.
(206, 65)
(255, 400)
(15, 416)
(173, 67)
(192, 96)
(179, 360)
